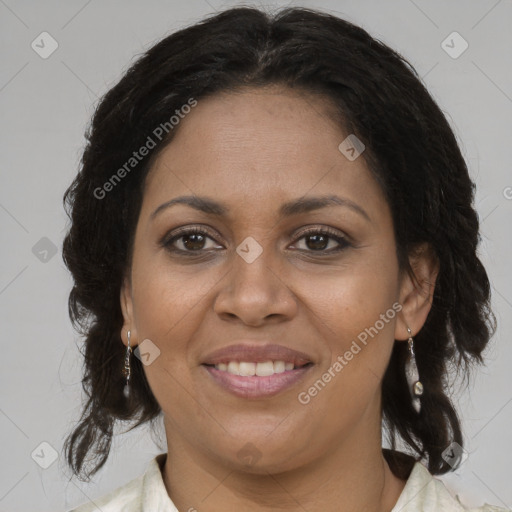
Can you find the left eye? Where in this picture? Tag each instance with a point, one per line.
(319, 240)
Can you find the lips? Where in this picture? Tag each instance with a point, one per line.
(257, 371)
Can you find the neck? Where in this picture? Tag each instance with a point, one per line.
(352, 477)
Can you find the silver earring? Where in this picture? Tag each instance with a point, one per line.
(126, 369)
(412, 375)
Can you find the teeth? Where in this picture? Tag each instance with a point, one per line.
(279, 366)
(248, 369)
(233, 368)
(263, 369)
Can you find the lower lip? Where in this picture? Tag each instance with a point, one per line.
(257, 387)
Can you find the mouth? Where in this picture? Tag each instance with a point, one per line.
(256, 371)
(259, 369)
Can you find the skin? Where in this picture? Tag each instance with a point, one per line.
(252, 151)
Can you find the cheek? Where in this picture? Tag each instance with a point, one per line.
(355, 310)
(346, 301)
(166, 308)
(169, 309)
(167, 297)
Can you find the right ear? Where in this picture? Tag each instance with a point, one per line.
(128, 316)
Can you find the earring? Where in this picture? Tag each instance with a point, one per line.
(412, 375)
(126, 369)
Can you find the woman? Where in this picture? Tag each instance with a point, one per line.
(273, 243)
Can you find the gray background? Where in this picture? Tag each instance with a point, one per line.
(45, 106)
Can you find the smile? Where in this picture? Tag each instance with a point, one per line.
(255, 370)
(248, 369)
(256, 380)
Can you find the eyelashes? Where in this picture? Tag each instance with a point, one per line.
(325, 233)
(191, 237)
(197, 232)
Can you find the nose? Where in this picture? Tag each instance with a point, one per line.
(255, 292)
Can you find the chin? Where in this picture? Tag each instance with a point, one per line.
(261, 455)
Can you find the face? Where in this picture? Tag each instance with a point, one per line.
(260, 269)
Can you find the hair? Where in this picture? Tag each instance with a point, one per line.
(410, 150)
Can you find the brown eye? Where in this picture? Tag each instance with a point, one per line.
(193, 241)
(189, 240)
(318, 240)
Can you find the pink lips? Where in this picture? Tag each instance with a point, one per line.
(253, 386)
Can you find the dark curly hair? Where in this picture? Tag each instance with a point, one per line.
(410, 150)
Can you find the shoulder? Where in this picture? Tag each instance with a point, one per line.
(426, 493)
(147, 490)
(126, 498)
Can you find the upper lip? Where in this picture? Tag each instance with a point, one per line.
(251, 352)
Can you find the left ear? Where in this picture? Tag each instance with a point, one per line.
(417, 290)
(128, 316)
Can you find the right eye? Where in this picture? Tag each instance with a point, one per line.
(191, 240)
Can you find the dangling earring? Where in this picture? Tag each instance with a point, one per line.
(412, 375)
(126, 369)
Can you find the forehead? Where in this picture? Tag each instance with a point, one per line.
(259, 147)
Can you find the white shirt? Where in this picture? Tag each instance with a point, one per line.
(147, 493)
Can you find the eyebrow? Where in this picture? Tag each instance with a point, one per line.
(301, 205)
